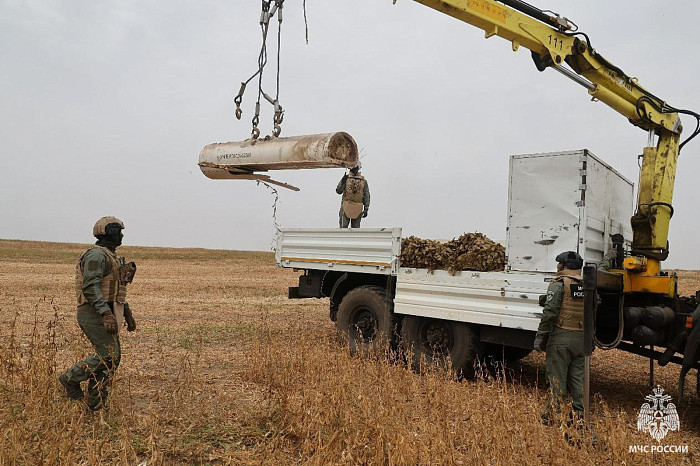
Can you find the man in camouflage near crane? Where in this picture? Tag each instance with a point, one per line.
(355, 202)
(561, 334)
(101, 278)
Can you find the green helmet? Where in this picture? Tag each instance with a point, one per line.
(107, 226)
(572, 260)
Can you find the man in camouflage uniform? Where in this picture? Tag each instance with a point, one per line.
(100, 284)
(561, 333)
(355, 202)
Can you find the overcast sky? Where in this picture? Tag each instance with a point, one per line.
(105, 106)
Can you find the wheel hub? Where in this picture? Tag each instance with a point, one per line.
(365, 323)
(437, 338)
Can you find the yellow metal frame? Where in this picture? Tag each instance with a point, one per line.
(641, 283)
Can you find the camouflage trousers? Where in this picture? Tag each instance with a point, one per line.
(348, 222)
(97, 368)
(564, 370)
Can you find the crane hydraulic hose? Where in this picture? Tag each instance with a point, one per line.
(536, 13)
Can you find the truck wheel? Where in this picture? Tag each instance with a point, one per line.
(366, 320)
(441, 343)
(504, 354)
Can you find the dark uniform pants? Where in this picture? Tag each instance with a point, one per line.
(565, 368)
(99, 367)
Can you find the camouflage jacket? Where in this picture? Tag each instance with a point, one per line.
(552, 306)
(340, 189)
(553, 302)
(95, 266)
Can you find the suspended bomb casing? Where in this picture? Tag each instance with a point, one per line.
(240, 160)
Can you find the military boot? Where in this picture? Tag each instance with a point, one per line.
(97, 395)
(73, 390)
(92, 406)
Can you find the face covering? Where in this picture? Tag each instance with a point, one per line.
(110, 242)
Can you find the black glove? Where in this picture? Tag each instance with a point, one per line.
(539, 344)
(110, 323)
(130, 322)
(364, 213)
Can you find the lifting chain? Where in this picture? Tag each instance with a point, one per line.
(269, 9)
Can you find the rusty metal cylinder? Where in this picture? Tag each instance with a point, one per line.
(233, 159)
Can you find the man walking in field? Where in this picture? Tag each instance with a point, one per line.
(355, 202)
(100, 285)
(561, 334)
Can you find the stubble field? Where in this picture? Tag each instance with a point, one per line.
(224, 369)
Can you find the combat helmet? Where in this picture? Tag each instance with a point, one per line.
(356, 168)
(572, 260)
(107, 226)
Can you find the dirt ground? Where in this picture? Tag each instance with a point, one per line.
(202, 380)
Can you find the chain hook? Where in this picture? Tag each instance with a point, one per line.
(238, 99)
(279, 113)
(256, 119)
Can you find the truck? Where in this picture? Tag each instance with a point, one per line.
(556, 202)
(634, 306)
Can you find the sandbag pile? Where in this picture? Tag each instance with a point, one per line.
(471, 251)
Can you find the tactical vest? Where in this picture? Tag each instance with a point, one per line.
(571, 312)
(354, 188)
(352, 196)
(113, 285)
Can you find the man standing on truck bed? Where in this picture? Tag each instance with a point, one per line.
(355, 202)
(100, 285)
(561, 333)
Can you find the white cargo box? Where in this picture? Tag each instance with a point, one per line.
(564, 201)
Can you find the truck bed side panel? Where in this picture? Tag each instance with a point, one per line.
(362, 250)
(500, 299)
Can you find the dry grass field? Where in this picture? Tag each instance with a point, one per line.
(224, 369)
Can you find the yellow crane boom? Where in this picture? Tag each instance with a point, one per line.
(555, 42)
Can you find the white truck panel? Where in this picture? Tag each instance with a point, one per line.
(366, 250)
(605, 210)
(543, 211)
(563, 201)
(500, 299)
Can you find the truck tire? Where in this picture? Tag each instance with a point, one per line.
(440, 343)
(504, 354)
(366, 321)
